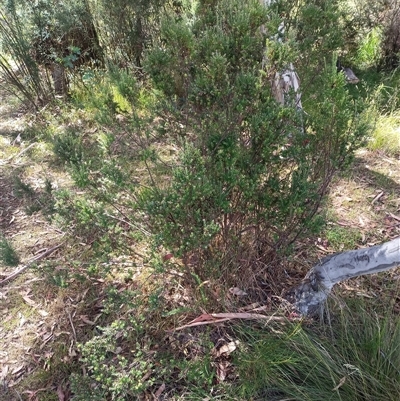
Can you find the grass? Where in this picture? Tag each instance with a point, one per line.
(369, 49)
(356, 357)
(343, 238)
(386, 136)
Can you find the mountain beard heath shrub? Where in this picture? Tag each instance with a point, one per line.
(251, 173)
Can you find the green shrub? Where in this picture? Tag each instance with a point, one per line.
(46, 41)
(8, 255)
(123, 363)
(35, 199)
(68, 147)
(111, 373)
(28, 84)
(87, 219)
(251, 173)
(125, 29)
(369, 51)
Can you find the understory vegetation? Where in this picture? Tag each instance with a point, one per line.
(156, 179)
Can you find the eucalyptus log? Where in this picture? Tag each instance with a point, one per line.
(313, 291)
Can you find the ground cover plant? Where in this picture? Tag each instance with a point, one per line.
(167, 183)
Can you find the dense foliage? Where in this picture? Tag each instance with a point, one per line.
(249, 174)
(180, 156)
(252, 172)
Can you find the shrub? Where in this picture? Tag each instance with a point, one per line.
(122, 362)
(8, 255)
(111, 374)
(252, 173)
(375, 26)
(21, 71)
(46, 42)
(126, 29)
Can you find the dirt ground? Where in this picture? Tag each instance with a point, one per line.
(25, 309)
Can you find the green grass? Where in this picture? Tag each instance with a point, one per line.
(357, 357)
(386, 136)
(343, 238)
(369, 52)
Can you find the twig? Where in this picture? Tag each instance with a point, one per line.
(377, 197)
(18, 394)
(72, 325)
(22, 151)
(33, 260)
(201, 323)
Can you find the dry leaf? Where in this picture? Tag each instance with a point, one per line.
(342, 223)
(341, 382)
(222, 370)
(4, 371)
(223, 317)
(29, 301)
(18, 370)
(321, 248)
(237, 291)
(168, 256)
(377, 197)
(393, 216)
(227, 348)
(72, 353)
(146, 376)
(86, 320)
(249, 307)
(60, 393)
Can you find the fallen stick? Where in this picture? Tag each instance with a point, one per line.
(310, 296)
(212, 318)
(22, 151)
(33, 260)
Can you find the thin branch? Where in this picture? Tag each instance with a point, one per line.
(22, 151)
(213, 318)
(30, 263)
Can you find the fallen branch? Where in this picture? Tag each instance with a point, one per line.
(22, 151)
(213, 318)
(30, 263)
(313, 291)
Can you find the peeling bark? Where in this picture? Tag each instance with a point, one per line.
(285, 81)
(319, 281)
